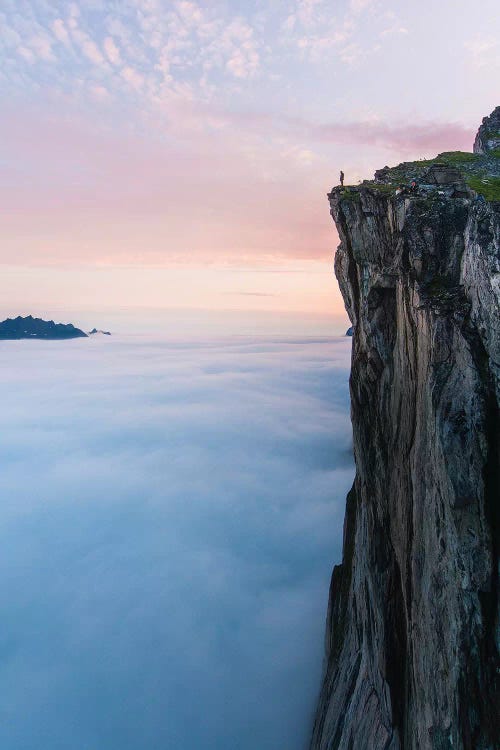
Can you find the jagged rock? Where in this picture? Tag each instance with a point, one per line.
(95, 330)
(488, 135)
(36, 328)
(412, 635)
(441, 173)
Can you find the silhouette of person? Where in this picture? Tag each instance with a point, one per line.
(342, 178)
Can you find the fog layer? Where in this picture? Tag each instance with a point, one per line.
(170, 513)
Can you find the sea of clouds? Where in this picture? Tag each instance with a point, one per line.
(170, 513)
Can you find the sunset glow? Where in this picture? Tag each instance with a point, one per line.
(175, 153)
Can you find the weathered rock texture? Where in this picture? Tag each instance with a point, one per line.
(412, 640)
(488, 135)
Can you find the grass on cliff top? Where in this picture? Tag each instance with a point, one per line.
(456, 157)
(380, 187)
(488, 187)
(451, 158)
(349, 194)
(481, 172)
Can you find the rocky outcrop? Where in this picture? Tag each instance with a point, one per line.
(412, 636)
(488, 135)
(95, 332)
(36, 328)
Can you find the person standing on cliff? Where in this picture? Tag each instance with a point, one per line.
(342, 178)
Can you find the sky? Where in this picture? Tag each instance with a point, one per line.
(178, 154)
(171, 510)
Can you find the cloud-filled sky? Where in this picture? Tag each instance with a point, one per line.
(170, 514)
(148, 134)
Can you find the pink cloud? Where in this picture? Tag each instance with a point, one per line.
(112, 51)
(133, 78)
(60, 31)
(403, 139)
(400, 138)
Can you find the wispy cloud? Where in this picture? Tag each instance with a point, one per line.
(42, 47)
(182, 45)
(322, 32)
(60, 31)
(401, 138)
(135, 79)
(112, 51)
(87, 45)
(484, 51)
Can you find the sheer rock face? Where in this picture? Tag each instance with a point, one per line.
(412, 639)
(488, 135)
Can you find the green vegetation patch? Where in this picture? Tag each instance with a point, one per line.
(379, 187)
(419, 163)
(456, 157)
(350, 195)
(481, 172)
(488, 187)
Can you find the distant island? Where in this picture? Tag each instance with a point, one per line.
(36, 328)
(95, 330)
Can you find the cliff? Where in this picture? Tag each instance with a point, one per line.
(412, 636)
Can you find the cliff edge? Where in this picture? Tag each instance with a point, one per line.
(412, 637)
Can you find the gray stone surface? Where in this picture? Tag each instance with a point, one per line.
(488, 135)
(412, 635)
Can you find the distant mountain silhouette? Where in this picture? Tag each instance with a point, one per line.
(36, 328)
(95, 330)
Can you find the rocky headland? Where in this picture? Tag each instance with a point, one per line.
(36, 328)
(95, 332)
(412, 635)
